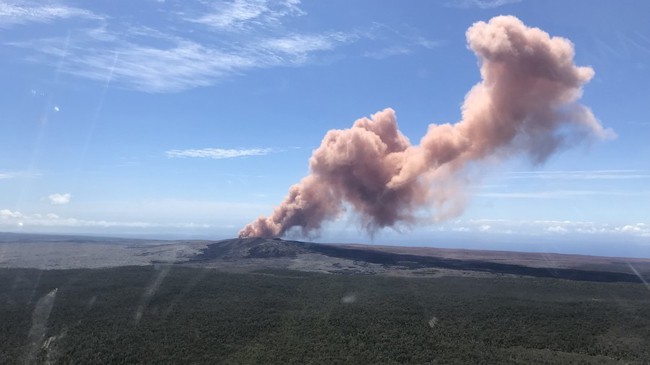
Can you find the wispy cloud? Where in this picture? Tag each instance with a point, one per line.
(168, 56)
(181, 66)
(396, 42)
(10, 218)
(296, 47)
(428, 43)
(388, 52)
(160, 213)
(8, 214)
(641, 228)
(22, 12)
(581, 175)
(481, 4)
(549, 227)
(238, 15)
(218, 153)
(159, 60)
(60, 199)
(560, 194)
(5, 175)
(637, 123)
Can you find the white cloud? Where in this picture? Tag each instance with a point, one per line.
(560, 194)
(174, 64)
(168, 57)
(635, 228)
(234, 14)
(241, 14)
(10, 218)
(218, 153)
(388, 52)
(184, 65)
(581, 183)
(428, 43)
(5, 175)
(481, 4)
(644, 124)
(8, 214)
(556, 229)
(581, 175)
(400, 42)
(484, 227)
(153, 216)
(22, 12)
(299, 45)
(461, 229)
(535, 227)
(179, 65)
(60, 199)
(239, 36)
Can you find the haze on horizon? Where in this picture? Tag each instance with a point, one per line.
(195, 119)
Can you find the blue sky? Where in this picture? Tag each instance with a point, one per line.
(193, 118)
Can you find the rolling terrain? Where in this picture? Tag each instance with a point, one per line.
(95, 300)
(162, 314)
(69, 252)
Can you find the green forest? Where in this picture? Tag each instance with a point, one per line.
(176, 314)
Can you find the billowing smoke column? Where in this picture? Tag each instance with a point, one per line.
(526, 103)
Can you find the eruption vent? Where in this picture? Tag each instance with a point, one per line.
(526, 103)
